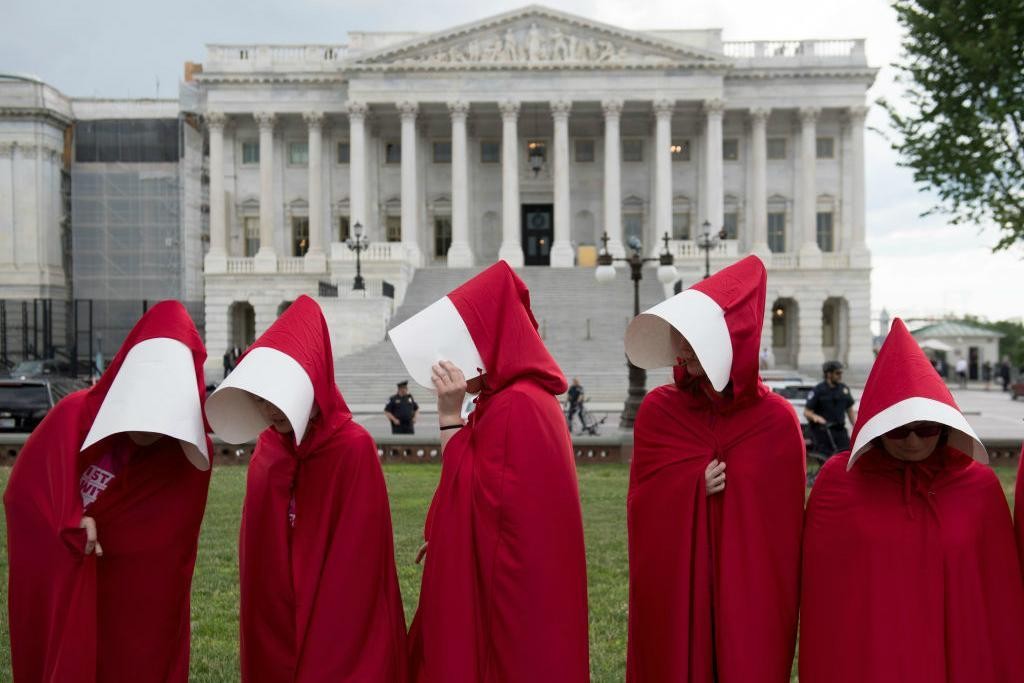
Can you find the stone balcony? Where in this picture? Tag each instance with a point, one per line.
(797, 53)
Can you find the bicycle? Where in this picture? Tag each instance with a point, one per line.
(589, 423)
(821, 448)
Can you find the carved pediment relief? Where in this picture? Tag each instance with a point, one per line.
(536, 38)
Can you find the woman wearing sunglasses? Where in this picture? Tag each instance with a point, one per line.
(909, 568)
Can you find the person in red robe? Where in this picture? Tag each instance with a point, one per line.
(504, 588)
(910, 573)
(716, 493)
(1018, 508)
(319, 590)
(103, 512)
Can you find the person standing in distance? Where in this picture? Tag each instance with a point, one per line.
(402, 410)
(828, 405)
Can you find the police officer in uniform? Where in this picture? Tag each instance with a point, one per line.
(402, 410)
(827, 408)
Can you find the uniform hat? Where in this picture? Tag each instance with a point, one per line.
(903, 387)
(403, 383)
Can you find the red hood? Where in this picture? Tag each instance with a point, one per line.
(495, 305)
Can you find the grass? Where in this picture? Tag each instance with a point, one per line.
(215, 586)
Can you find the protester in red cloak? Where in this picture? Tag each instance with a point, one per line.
(1018, 508)
(103, 511)
(910, 572)
(504, 591)
(716, 494)
(319, 596)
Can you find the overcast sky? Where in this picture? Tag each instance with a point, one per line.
(117, 48)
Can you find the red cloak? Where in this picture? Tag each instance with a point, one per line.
(504, 589)
(1018, 509)
(320, 599)
(714, 580)
(124, 616)
(910, 574)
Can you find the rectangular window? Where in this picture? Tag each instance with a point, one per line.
(298, 154)
(132, 140)
(250, 152)
(633, 225)
(343, 228)
(632, 149)
(826, 148)
(300, 235)
(343, 152)
(442, 235)
(490, 152)
(777, 231)
(680, 150)
(443, 152)
(393, 225)
(730, 149)
(392, 152)
(584, 151)
(252, 235)
(825, 234)
(681, 225)
(776, 148)
(731, 222)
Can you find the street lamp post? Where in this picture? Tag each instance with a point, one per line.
(606, 273)
(358, 242)
(706, 243)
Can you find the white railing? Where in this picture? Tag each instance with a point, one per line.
(848, 50)
(689, 249)
(240, 265)
(835, 260)
(268, 57)
(374, 288)
(783, 261)
(291, 264)
(376, 251)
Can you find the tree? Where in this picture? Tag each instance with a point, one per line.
(962, 127)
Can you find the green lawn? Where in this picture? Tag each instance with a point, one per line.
(215, 588)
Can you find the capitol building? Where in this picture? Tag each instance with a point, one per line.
(526, 136)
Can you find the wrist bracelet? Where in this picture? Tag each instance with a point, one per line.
(444, 427)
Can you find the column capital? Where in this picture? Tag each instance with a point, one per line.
(313, 119)
(458, 108)
(664, 107)
(560, 108)
(809, 115)
(408, 110)
(509, 109)
(856, 115)
(760, 114)
(356, 109)
(611, 107)
(714, 106)
(216, 119)
(265, 119)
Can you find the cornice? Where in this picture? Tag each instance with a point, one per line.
(35, 114)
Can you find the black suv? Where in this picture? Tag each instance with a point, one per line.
(25, 402)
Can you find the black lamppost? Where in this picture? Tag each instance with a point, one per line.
(606, 273)
(358, 243)
(706, 243)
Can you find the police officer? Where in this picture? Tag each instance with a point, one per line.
(402, 410)
(827, 408)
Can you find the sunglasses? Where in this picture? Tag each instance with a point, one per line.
(923, 431)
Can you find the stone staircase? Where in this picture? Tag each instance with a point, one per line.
(569, 305)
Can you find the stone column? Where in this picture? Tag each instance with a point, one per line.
(511, 242)
(810, 253)
(662, 172)
(714, 199)
(561, 251)
(216, 258)
(759, 186)
(613, 176)
(357, 164)
(860, 257)
(316, 259)
(460, 254)
(410, 185)
(811, 356)
(266, 257)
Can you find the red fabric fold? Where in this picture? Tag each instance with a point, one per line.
(910, 574)
(1018, 508)
(714, 580)
(320, 600)
(504, 588)
(124, 616)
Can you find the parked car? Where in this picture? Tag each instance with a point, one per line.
(44, 367)
(25, 402)
(1017, 388)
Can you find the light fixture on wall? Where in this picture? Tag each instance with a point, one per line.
(535, 156)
